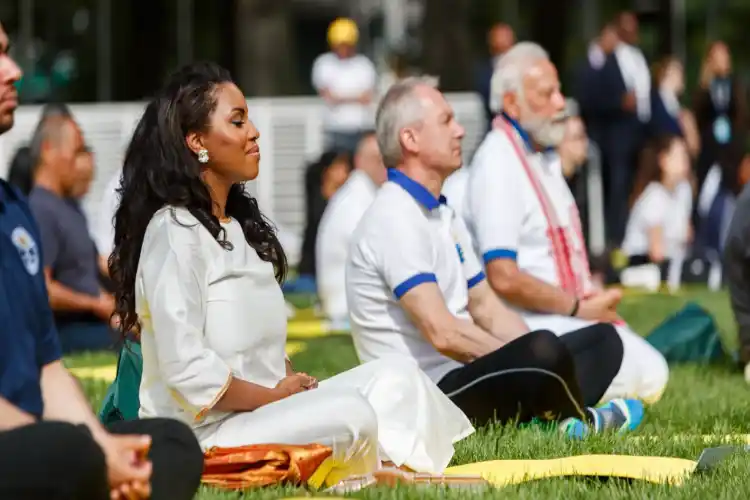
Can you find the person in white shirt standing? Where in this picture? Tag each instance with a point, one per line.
(339, 221)
(415, 288)
(633, 65)
(526, 225)
(347, 83)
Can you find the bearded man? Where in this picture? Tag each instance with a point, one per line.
(525, 224)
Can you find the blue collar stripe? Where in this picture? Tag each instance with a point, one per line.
(525, 136)
(416, 190)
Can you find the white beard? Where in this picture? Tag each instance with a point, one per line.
(547, 132)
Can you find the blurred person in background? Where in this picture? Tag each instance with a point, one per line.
(627, 134)
(322, 179)
(500, 39)
(340, 219)
(83, 310)
(633, 64)
(347, 82)
(574, 148)
(737, 272)
(720, 110)
(573, 152)
(397, 68)
(53, 445)
(659, 230)
(21, 170)
(613, 78)
(84, 171)
(598, 75)
(668, 116)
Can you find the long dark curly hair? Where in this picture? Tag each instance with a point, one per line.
(160, 170)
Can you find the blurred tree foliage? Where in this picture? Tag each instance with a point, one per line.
(269, 44)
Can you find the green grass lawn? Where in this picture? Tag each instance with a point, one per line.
(700, 400)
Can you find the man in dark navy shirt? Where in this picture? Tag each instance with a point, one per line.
(53, 447)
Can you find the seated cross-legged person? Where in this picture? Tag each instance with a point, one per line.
(414, 288)
(197, 265)
(72, 264)
(524, 221)
(339, 221)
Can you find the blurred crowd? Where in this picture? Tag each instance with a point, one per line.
(671, 170)
(671, 166)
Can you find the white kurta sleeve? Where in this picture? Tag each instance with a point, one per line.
(404, 254)
(494, 200)
(174, 283)
(471, 265)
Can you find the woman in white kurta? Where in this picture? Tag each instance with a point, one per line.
(204, 288)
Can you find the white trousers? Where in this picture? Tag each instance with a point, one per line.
(644, 372)
(388, 405)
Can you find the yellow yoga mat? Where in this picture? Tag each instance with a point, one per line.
(507, 472)
(107, 373)
(308, 328)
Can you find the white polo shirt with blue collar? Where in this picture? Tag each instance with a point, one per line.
(406, 238)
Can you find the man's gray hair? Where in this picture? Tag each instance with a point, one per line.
(399, 108)
(510, 70)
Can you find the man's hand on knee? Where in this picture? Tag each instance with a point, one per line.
(601, 307)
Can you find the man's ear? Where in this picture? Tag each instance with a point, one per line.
(510, 103)
(195, 142)
(408, 139)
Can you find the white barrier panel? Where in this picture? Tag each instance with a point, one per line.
(291, 137)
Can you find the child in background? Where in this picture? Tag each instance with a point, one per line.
(658, 230)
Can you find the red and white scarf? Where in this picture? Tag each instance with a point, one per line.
(574, 283)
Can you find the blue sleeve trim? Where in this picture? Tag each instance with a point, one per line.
(476, 280)
(499, 253)
(415, 280)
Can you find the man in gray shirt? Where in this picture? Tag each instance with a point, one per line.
(71, 260)
(737, 273)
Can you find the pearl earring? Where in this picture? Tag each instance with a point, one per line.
(203, 156)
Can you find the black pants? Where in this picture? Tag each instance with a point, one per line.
(61, 461)
(538, 375)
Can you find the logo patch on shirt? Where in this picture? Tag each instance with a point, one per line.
(27, 249)
(460, 252)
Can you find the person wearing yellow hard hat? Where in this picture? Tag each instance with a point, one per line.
(343, 36)
(346, 82)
